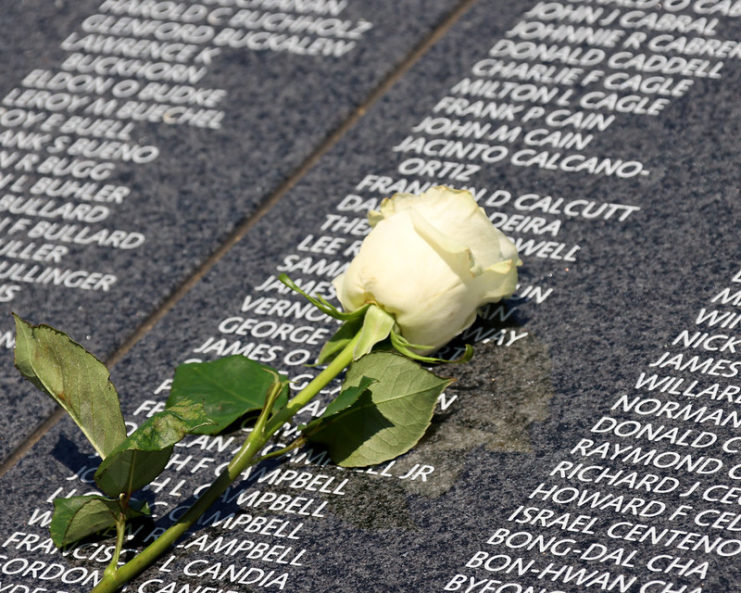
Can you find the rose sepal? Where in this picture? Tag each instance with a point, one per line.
(341, 338)
(377, 326)
(374, 327)
(323, 304)
(403, 346)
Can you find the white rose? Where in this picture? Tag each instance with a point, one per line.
(430, 261)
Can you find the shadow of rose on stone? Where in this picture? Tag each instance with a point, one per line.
(495, 399)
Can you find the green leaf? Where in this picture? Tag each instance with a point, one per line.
(339, 340)
(145, 453)
(79, 516)
(77, 381)
(347, 397)
(389, 416)
(229, 388)
(344, 400)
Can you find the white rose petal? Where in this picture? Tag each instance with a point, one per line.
(430, 260)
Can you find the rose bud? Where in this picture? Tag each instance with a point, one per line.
(430, 261)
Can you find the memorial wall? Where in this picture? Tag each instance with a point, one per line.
(149, 132)
(592, 444)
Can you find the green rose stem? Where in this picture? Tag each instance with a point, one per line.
(264, 429)
(110, 570)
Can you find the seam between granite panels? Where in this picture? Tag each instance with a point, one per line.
(178, 293)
